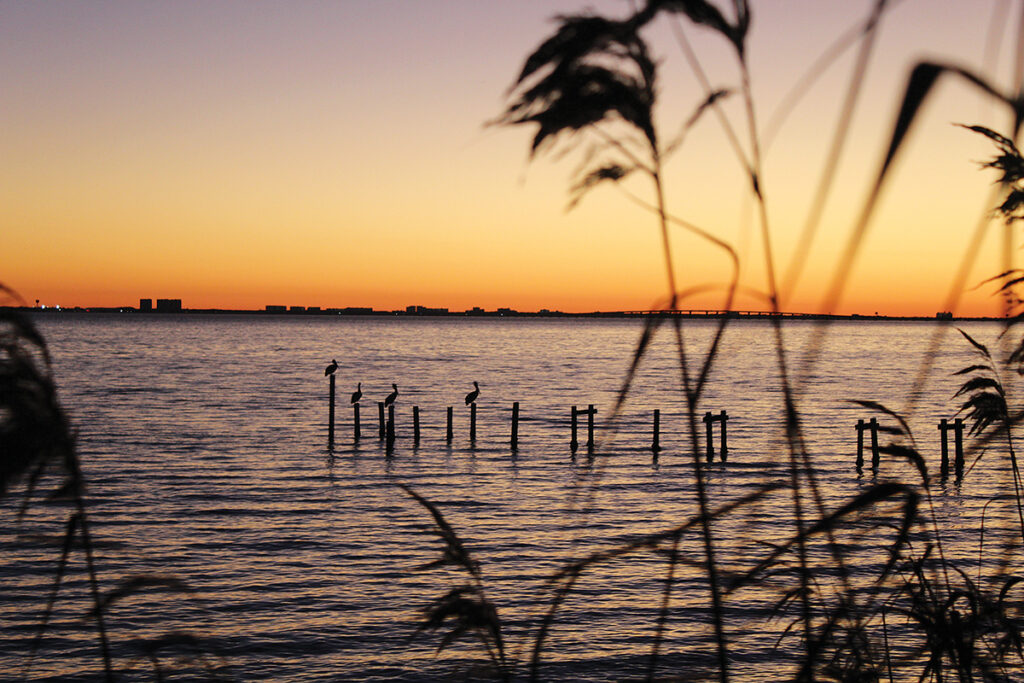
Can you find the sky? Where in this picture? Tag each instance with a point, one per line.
(334, 154)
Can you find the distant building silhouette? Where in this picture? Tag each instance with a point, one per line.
(296, 309)
(423, 310)
(145, 305)
(168, 305)
(276, 309)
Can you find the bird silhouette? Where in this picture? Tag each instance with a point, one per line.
(392, 396)
(358, 393)
(331, 368)
(471, 396)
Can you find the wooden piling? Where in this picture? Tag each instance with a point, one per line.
(415, 426)
(724, 445)
(450, 431)
(958, 445)
(515, 426)
(391, 426)
(574, 444)
(656, 437)
(330, 419)
(355, 421)
(709, 434)
(873, 425)
(944, 439)
(380, 419)
(472, 422)
(860, 445)
(591, 412)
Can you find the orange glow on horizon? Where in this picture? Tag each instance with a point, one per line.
(250, 157)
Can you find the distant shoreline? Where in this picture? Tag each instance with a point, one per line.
(505, 313)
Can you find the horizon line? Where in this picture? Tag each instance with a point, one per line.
(422, 311)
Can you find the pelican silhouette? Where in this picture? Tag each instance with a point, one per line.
(392, 396)
(358, 393)
(471, 396)
(331, 368)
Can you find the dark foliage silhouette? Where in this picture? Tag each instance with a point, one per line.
(919, 616)
(39, 462)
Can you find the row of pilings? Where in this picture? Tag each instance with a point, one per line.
(386, 426)
(945, 427)
(386, 432)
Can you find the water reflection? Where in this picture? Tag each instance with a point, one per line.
(308, 562)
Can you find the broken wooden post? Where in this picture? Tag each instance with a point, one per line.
(355, 421)
(591, 412)
(472, 422)
(656, 438)
(944, 428)
(708, 432)
(450, 431)
(380, 419)
(574, 444)
(873, 425)
(860, 445)
(330, 419)
(391, 426)
(415, 426)
(515, 425)
(958, 445)
(724, 444)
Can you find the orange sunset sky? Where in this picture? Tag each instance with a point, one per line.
(239, 154)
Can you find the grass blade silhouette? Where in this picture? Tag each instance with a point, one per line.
(465, 606)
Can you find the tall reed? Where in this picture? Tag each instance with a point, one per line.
(921, 614)
(39, 461)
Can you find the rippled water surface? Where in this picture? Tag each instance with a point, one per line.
(204, 444)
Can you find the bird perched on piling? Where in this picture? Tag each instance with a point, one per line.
(358, 393)
(392, 396)
(329, 370)
(471, 396)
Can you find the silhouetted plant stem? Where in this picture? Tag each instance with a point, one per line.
(730, 295)
(663, 225)
(885, 637)
(840, 135)
(549, 618)
(626, 152)
(663, 614)
(814, 71)
(705, 370)
(956, 290)
(69, 539)
(76, 523)
(702, 498)
(798, 452)
(698, 71)
(709, 547)
(76, 474)
(465, 605)
(1016, 477)
(571, 571)
(792, 423)
(1007, 267)
(919, 85)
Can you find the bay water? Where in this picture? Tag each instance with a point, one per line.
(204, 444)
